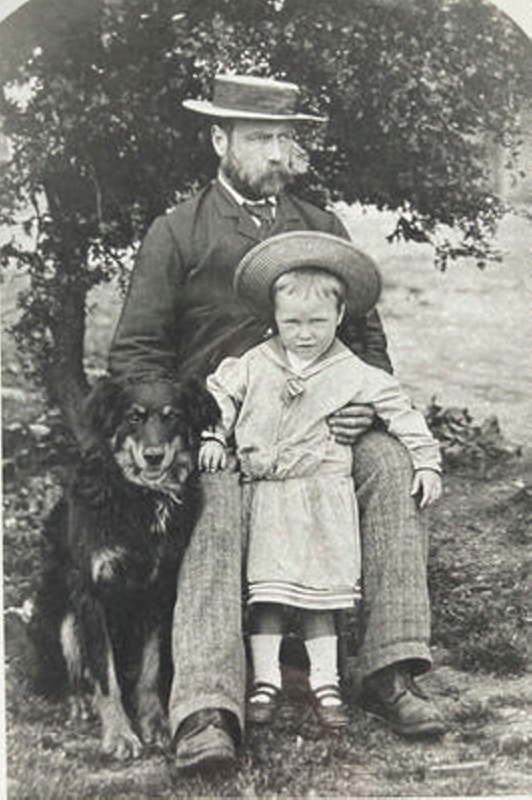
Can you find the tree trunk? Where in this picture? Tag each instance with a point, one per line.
(66, 381)
(69, 200)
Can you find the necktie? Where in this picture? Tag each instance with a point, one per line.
(262, 212)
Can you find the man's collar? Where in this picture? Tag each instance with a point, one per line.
(240, 199)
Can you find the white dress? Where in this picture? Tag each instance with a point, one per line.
(303, 525)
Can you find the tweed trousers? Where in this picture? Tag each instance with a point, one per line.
(207, 640)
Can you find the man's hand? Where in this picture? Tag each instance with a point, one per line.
(350, 422)
(212, 456)
(427, 484)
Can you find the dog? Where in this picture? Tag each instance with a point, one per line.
(115, 542)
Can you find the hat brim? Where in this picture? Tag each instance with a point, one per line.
(261, 266)
(208, 109)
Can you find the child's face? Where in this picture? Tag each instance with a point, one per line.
(307, 323)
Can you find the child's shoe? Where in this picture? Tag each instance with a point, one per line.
(331, 715)
(262, 703)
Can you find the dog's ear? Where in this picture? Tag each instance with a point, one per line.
(200, 406)
(104, 407)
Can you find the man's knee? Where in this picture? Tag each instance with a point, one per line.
(219, 514)
(217, 487)
(379, 457)
(229, 475)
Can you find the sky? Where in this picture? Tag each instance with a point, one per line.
(519, 10)
(8, 6)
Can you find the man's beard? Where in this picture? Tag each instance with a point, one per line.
(270, 182)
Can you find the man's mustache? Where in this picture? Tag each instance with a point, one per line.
(276, 173)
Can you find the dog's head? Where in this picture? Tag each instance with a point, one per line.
(153, 429)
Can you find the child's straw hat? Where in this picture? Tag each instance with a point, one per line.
(261, 266)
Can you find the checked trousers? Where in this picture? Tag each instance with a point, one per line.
(207, 637)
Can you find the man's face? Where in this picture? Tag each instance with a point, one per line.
(255, 156)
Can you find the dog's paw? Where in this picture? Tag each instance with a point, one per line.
(154, 728)
(121, 743)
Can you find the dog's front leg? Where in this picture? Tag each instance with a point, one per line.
(151, 717)
(118, 738)
(70, 645)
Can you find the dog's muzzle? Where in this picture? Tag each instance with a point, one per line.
(163, 468)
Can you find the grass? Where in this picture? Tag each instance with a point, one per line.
(479, 578)
(479, 582)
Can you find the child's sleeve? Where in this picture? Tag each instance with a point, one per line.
(228, 387)
(393, 406)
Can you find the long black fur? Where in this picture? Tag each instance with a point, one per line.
(114, 547)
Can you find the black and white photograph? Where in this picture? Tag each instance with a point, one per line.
(266, 397)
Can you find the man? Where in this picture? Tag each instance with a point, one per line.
(182, 317)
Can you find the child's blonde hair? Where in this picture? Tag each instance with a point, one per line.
(304, 281)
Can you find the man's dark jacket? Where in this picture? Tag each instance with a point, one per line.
(181, 315)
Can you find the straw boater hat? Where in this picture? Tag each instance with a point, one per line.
(261, 266)
(245, 97)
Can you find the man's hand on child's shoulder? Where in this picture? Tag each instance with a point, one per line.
(427, 485)
(212, 456)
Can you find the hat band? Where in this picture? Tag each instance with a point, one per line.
(254, 99)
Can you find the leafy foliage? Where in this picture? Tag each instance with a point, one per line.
(416, 92)
(465, 444)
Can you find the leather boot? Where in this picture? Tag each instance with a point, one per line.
(205, 741)
(393, 695)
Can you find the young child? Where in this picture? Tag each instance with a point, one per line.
(302, 517)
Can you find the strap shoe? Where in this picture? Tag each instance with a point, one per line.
(262, 703)
(332, 716)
